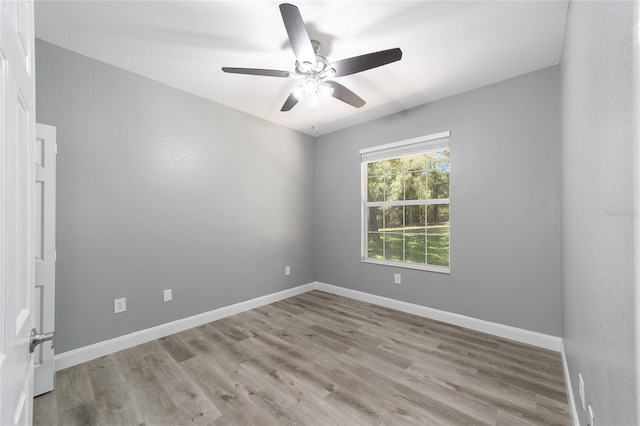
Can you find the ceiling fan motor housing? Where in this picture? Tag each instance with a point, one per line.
(320, 68)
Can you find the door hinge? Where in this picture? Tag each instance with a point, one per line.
(55, 255)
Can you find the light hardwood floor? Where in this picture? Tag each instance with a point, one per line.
(315, 359)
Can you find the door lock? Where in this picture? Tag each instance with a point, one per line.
(36, 339)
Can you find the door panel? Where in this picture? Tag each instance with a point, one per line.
(44, 237)
(17, 126)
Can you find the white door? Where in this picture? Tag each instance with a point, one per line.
(44, 246)
(17, 126)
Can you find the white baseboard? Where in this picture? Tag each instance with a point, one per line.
(567, 380)
(518, 334)
(88, 353)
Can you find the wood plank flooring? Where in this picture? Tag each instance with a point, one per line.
(315, 359)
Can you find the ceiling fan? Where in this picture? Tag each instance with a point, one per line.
(314, 70)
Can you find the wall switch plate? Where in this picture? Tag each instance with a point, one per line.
(119, 305)
(581, 390)
(397, 278)
(166, 295)
(287, 270)
(592, 417)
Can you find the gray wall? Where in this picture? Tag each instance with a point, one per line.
(598, 216)
(161, 189)
(505, 205)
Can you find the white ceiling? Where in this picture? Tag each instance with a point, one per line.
(448, 47)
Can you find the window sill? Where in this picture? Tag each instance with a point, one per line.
(406, 265)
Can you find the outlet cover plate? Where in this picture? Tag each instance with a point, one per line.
(119, 305)
(287, 270)
(397, 278)
(167, 295)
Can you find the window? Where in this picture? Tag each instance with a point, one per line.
(405, 203)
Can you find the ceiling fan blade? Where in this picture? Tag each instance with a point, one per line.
(366, 62)
(289, 103)
(257, 71)
(297, 32)
(345, 95)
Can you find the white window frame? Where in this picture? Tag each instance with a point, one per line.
(385, 152)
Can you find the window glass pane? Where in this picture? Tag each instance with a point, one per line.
(376, 168)
(414, 245)
(415, 185)
(394, 187)
(438, 179)
(438, 234)
(375, 188)
(437, 217)
(393, 220)
(375, 219)
(394, 167)
(414, 219)
(438, 250)
(374, 247)
(393, 246)
(415, 162)
(394, 180)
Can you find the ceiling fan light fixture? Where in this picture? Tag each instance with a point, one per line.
(313, 99)
(298, 92)
(313, 89)
(310, 85)
(324, 90)
(304, 67)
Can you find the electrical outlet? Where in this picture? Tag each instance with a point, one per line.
(119, 305)
(592, 417)
(581, 390)
(287, 270)
(166, 295)
(397, 278)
